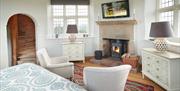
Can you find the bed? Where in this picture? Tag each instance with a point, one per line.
(31, 77)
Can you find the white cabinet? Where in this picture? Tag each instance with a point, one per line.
(162, 68)
(74, 50)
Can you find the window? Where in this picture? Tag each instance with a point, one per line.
(167, 16)
(70, 14)
(169, 10)
(166, 3)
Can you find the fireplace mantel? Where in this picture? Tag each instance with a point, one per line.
(111, 22)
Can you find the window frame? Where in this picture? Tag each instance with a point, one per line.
(176, 16)
(65, 18)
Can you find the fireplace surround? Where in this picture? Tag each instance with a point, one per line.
(119, 30)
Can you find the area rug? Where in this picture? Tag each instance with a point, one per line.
(130, 85)
(109, 62)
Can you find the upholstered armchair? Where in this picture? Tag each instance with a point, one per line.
(106, 78)
(57, 65)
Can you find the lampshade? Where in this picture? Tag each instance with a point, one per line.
(161, 30)
(72, 29)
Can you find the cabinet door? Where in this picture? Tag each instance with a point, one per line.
(155, 66)
(147, 62)
(66, 50)
(78, 52)
(74, 51)
(144, 62)
(161, 69)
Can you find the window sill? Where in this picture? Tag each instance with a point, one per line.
(79, 36)
(173, 43)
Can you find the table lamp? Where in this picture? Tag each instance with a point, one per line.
(72, 30)
(160, 31)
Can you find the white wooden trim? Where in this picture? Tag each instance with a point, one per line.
(65, 18)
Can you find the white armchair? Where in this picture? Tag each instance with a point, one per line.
(106, 78)
(57, 65)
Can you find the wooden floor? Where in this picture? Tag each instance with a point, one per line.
(132, 76)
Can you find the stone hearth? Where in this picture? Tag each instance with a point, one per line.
(108, 62)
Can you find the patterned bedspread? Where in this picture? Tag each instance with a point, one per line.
(30, 77)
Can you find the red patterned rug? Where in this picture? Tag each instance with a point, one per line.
(130, 85)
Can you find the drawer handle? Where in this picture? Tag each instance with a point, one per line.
(148, 64)
(148, 57)
(157, 61)
(157, 69)
(148, 71)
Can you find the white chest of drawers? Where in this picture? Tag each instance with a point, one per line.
(74, 50)
(162, 68)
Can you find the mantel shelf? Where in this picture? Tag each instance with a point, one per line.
(131, 22)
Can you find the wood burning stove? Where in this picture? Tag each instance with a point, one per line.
(116, 48)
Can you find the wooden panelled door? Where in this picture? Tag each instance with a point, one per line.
(21, 29)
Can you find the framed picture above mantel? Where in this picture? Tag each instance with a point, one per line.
(117, 9)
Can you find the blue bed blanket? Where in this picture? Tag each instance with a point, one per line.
(31, 77)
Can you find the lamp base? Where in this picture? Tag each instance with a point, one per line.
(72, 37)
(160, 45)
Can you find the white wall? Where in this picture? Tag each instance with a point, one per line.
(38, 11)
(0, 35)
(144, 9)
